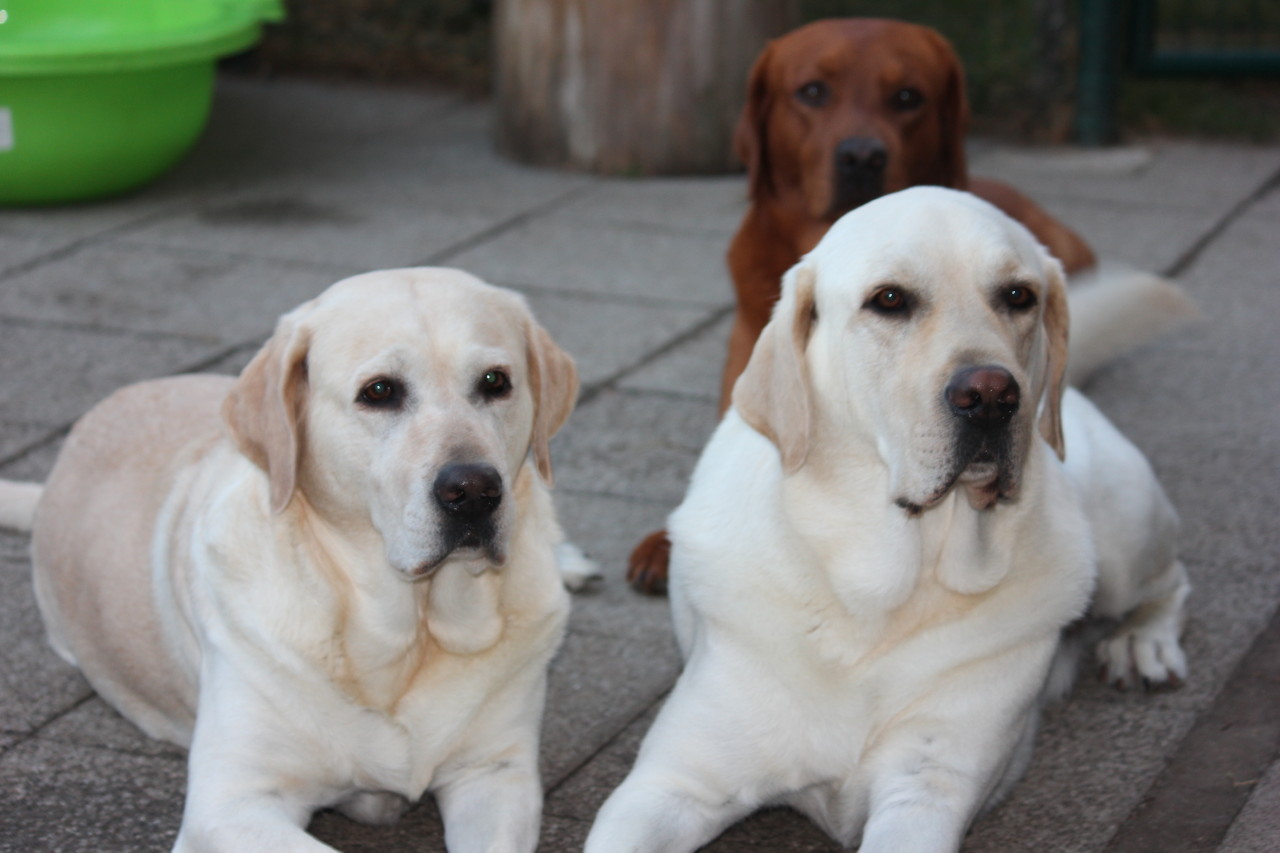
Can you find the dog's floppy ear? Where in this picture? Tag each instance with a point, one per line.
(1056, 324)
(750, 136)
(773, 392)
(553, 379)
(953, 117)
(265, 406)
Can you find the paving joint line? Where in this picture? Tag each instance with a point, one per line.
(1193, 253)
(605, 744)
(27, 737)
(90, 240)
(1235, 738)
(94, 328)
(59, 431)
(624, 299)
(510, 223)
(142, 244)
(598, 387)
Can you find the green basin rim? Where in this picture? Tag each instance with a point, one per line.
(194, 48)
(234, 29)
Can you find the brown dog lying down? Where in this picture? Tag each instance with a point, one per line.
(840, 112)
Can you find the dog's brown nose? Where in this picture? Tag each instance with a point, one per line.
(469, 490)
(986, 396)
(861, 156)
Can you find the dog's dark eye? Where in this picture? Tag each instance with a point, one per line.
(494, 384)
(382, 393)
(814, 93)
(889, 300)
(1018, 297)
(906, 99)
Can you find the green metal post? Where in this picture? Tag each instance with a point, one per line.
(1099, 72)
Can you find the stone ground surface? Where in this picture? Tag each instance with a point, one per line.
(296, 185)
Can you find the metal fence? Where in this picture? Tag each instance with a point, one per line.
(1217, 38)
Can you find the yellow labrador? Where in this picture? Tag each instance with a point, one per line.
(881, 545)
(334, 577)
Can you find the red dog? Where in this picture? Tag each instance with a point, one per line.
(838, 113)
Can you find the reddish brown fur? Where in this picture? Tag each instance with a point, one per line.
(788, 147)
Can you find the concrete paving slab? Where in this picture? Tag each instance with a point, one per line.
(1268, 206)
(1257, 829)
(563, 254)
(95, 724)
(319, 112)
(35, 684)
(1192, 175)
(1093, 762)
(53, 374)
(581, 796)
(691, 370)
(34, 464)
(607, 528)
(77, 222)
(16, 436)
(76, 800)
(418, 829)
(440, 168)
(607, 337)
(336, 230)
(633, 446)
(713, 205)
(1138, 236)
(19, 249)
(420, 150)
(1218, 467)
(591, 696)
(211, 297)
(595, 698)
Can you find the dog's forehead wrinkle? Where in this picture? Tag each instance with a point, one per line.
(391, 361)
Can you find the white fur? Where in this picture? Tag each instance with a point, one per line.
(1114, 310)
(880, 669)
(317, 643)
(18, 503)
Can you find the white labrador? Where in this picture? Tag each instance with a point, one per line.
(334, 578)
(880, 546)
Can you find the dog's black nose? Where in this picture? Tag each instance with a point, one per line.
(468, 490)
(861, 156)
(986, 396)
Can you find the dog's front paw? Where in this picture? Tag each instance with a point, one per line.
(647, 568)
(576, 568)
(1149, 654)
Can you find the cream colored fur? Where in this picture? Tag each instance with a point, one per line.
(255, 567)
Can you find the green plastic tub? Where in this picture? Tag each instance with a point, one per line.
(98, 97)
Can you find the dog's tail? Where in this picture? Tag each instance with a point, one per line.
(1115, 311)
(18, 504)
